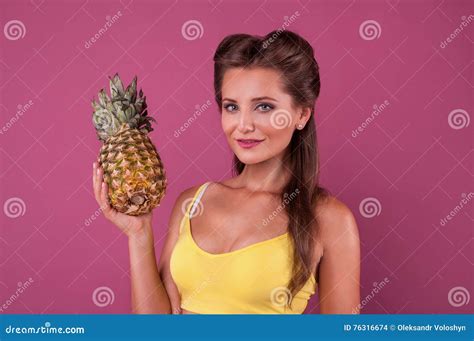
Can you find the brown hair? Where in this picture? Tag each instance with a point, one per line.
(292, 56)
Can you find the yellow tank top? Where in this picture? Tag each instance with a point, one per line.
(250, 280)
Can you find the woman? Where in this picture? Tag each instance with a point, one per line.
(263, 240)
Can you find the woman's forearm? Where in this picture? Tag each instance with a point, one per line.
(149, 295)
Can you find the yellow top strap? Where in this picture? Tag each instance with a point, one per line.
(191, 207)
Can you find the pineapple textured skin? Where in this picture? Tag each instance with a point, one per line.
(133, 171)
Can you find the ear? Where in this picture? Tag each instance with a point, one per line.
(304, 115)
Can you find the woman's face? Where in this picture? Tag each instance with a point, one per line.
(254, 107)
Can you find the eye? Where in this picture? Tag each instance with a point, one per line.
(265, 107)
(230, 107)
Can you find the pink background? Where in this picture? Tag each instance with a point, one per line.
(410, 158)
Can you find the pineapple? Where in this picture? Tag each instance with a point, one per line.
(132, 167)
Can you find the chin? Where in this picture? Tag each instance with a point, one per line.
(249, 159)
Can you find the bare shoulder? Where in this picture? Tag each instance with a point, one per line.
(185, 197)
(337, 224)
(181, 204)
(188, 193)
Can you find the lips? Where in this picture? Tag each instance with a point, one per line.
(248, 143)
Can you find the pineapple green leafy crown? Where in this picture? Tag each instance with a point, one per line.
(124, 107)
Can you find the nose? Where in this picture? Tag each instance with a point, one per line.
(246, 123)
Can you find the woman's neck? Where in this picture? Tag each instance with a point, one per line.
(267, 176)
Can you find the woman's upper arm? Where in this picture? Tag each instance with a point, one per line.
(339, 272)
(171, 237)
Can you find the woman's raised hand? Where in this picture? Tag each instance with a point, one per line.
(130, 225)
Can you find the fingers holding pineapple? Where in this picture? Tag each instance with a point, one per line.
(130, 225)
(100, 191)
(95, 181)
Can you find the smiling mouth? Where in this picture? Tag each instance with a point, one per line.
(249, 140)
(248, 143)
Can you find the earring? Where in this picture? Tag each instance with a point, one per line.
(300, 126)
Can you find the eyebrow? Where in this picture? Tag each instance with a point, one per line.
(253, 99)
